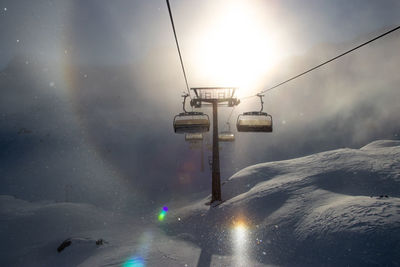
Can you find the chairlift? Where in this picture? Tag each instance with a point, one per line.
(191, 122)
(194, 137)
(255, 121)
(226, 136)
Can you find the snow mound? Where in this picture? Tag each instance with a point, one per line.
(381, 143)
(339, 207)
(31, 232)
(74, 234)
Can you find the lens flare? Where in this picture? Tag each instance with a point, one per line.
(240, 232)
(240, 237)
(138, 258)
(134, 262)
(163, 213)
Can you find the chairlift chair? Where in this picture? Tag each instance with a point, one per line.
(194, 137)
(191, 122)
(226, 136)
(255, 121)
(195, 140)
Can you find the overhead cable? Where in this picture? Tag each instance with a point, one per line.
(326, 62)
(177, 46)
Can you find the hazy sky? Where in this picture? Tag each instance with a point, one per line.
(123, 31)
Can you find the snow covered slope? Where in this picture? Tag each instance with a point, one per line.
(31, 233)
(333, 208)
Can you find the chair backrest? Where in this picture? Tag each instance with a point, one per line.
(194, 137)
(191, 122)
(254, 122)
(226, 136)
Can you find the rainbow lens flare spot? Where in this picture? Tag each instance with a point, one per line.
(162, 214)
(134, 262)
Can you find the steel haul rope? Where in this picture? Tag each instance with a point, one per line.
(179, 50)
(324, 63)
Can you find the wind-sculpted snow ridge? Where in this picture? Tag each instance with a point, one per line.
(335, 208)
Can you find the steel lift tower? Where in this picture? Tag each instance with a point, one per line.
(215, 97)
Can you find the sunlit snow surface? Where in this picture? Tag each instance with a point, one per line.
(334, 208)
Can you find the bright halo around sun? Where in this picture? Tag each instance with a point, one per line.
(236, 48)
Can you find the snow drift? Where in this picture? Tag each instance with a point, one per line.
(333, 208)
(31, 232)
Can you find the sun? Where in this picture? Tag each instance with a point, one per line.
(236, 48)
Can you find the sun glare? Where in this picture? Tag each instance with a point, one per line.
(236, 48)
(240, 243)
(240, 232)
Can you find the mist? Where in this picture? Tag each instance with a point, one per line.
(94, 123)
